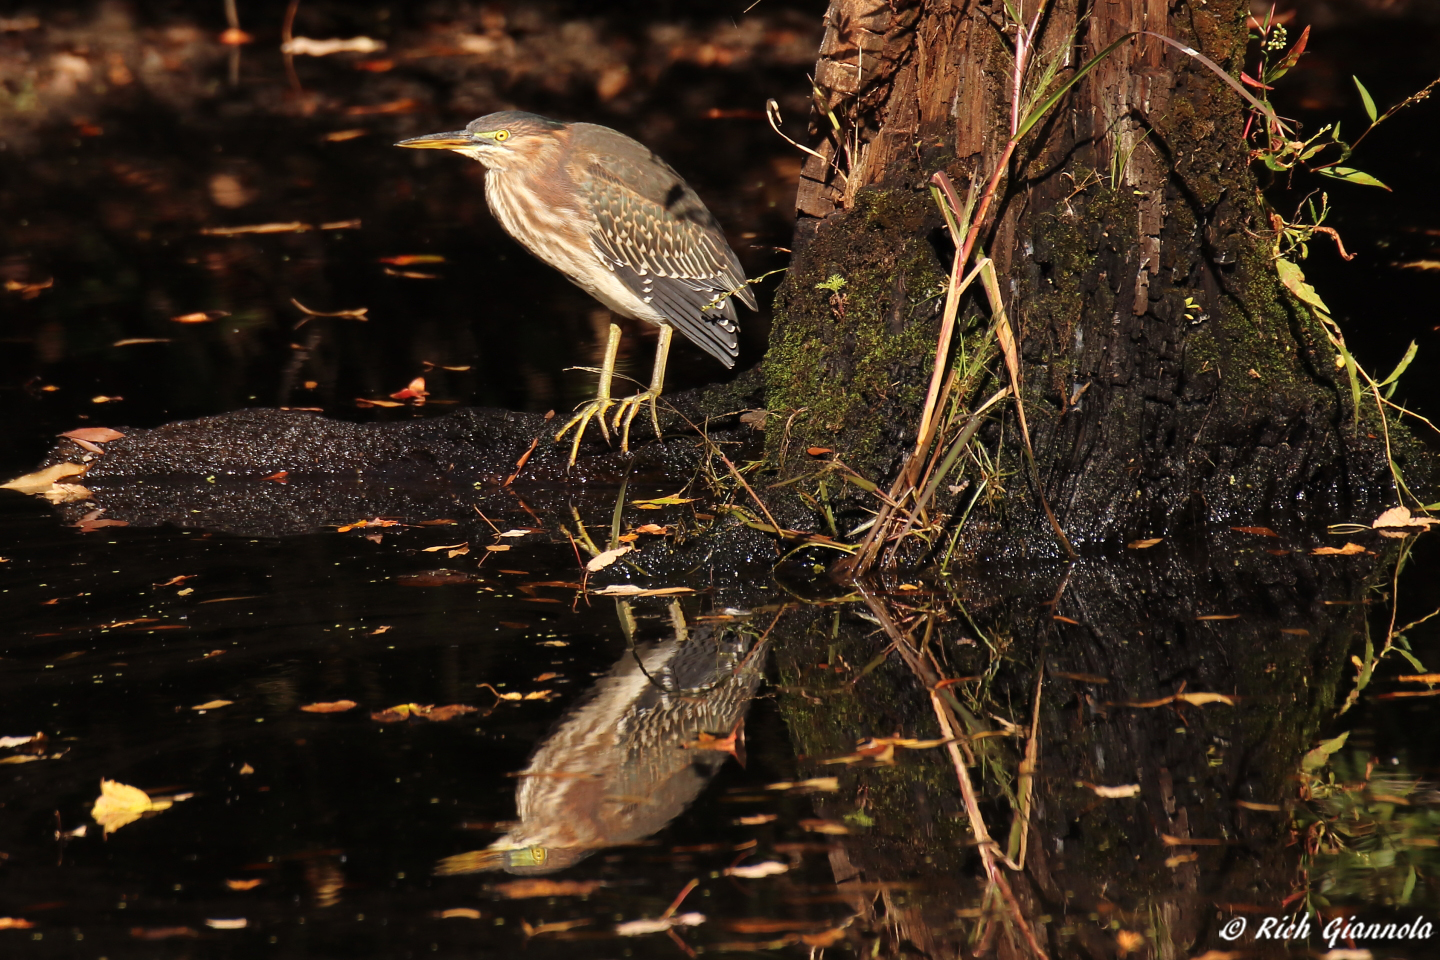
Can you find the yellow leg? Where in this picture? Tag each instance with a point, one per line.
(597, 408)
(630, 406)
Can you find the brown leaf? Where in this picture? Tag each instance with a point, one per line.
(1348, 550)
(93, 434)
(1144, 544)
(818, 451)
(434, 578)
(653, 528)
(459, 913)
(410, 259)
(1219, 616)
(14, 923)
(212, 705)
(330, 706)
(203, 316)
(448, 712)
(244, 884)
(1258, 531)
(498, 547)
(162, 933)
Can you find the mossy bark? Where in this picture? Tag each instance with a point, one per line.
(1168, 377)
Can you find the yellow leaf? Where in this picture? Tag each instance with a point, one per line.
(42, 480)
(212, 704)
(119, 804)
(1143, 544)
(1348, 550)
(674, 500)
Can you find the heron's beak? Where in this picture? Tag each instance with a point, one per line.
(438, 141)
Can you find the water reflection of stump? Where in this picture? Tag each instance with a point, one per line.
(632, 755)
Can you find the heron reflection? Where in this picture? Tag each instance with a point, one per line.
(634, 753)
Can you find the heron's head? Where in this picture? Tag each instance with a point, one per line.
(501, 140)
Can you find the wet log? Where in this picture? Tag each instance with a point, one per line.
(1168, 377)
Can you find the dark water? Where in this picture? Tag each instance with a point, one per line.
(114, 637)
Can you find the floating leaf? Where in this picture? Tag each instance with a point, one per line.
(212, 705)
(674, 500)
(602, 560)
(119, 804)
(1350, 549)
(244, 884)
(630, 590)
(104, 434)
(43, 480)
(1122, 792)
(638, 928)
(227, 923)
(1258, 531)
(1143, 544)
(754, 871)
(331, 706)
(459, 913)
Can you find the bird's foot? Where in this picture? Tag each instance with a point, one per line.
(628, 408)
(587, 411)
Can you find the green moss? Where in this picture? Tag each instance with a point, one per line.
(848, 362)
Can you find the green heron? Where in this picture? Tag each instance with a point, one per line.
(633, 754)
(622, 225)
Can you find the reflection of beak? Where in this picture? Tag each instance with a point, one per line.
(438, 141)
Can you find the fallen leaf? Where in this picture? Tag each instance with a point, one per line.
(602, 560)
(14, 923)
(8, 742)
(638, 928)
(628, 537)
(246, 770)
(459, 913)
(1191, 857)
(449, 712)
(1219, 616)
(546, 676)
(630, 590)
(42, 480)
(119, 804)
(405, 105)
(244, 884)
(1262, 807)
(135, 341)
(654, 529)
(330, 706)
(434, 578)
(516, 533)
(450, 546)
(529, 889)
(1400, 518)
(1144, 544)
(310, 47)
(202, 316)
(228, 923)
(95, 434)
(162, 933)
(756, 819)
(410, 259)
(104, 399)
(212, 705)
(754, 871)
(498, 547)
(1111, 793)
(1345, 551)
(814, 784)
(1195, 699)
(674, 500)
(818, 451)
(415, 390)
(1258, 531)
(339, 136)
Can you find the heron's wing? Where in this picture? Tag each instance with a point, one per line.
(657, 237)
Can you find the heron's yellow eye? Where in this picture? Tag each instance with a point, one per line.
(501, 136)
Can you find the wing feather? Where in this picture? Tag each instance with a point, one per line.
(658, 238)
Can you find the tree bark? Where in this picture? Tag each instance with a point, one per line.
(1167, 377)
